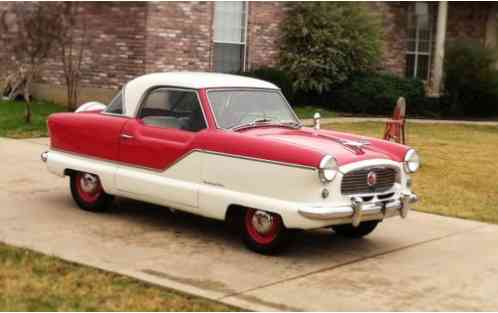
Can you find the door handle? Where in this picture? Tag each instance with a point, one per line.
(126, 136)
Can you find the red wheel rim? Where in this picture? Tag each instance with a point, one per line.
(269, 235)
(87, 193)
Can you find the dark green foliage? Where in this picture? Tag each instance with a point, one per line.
(377, 93)
(471, 82)
(374, 94)
(325, 42)
(275, 76)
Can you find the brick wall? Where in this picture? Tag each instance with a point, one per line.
(117, 46)
(467, 21)
(263, 35)
(179, 36)
(393, 17)
(6, 59)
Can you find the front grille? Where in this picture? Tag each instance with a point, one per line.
(355, 182)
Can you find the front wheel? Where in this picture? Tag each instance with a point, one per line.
(348, 230)
(264, 232)
(88, 193)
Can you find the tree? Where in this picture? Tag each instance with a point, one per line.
(34, 31)
(74, 42)
(470, 79)
(324, 43)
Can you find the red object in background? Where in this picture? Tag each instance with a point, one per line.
(395, 128)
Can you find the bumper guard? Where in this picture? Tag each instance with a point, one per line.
(360, 210)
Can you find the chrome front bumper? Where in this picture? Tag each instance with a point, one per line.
(44, 156)
(360, 210)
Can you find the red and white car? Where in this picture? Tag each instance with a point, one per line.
(229, 148)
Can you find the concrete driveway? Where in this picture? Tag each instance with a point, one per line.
(426, 262)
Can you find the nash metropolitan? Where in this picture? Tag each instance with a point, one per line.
(230, 148)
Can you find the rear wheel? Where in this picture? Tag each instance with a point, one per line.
(264, 232)
(348, 230)
(88, 193)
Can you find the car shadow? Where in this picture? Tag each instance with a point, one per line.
(156, 218)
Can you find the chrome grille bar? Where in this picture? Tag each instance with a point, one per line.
(355, 182)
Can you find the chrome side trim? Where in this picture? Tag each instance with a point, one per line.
(91, 157)
(115, 115)
(258, 160)
(185, 156)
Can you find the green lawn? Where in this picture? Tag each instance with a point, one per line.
(306, 112)
(12, 122)
(459, 173)
(30, 281)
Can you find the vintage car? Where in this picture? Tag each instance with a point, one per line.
(230, 148)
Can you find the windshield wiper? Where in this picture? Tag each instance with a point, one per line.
(252, 123)
(291, 124)
(266, 121)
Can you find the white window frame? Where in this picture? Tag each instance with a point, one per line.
(244, 36)
(417, 53)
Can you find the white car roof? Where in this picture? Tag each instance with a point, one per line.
(134, 89)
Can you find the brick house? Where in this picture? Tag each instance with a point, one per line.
(136, 38)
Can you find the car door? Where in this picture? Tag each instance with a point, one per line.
(154, 149)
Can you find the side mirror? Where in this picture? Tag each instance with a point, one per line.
(316, 121)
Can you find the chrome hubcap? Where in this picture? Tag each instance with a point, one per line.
(262, 222)
(89, 183)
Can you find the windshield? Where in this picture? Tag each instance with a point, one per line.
(235, 108)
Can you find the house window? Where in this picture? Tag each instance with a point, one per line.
(230, 24)
(419, 44)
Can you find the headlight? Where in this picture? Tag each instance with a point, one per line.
(412, 161)
(328, 169)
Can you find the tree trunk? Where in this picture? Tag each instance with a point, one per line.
(72, 94)
(27, 98)
(27, 112)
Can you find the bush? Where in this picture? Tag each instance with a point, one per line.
(471, 83)
(275, 76)
(325, 42)
(377, 93)
(373, 93)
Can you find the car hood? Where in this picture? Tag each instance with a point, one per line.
(346, 148)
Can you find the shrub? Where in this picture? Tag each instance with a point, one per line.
(376, 93)
(325, 42)
(275, 76)
(470, 80)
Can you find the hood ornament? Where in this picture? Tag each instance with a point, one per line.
(355, 146)
(316, 121)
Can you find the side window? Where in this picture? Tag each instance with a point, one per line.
(116, 105)
(173, 109)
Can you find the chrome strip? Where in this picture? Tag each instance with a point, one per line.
(115, 115)
(258, 160)
(104, 160)
(367, 167)
(185, 156)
